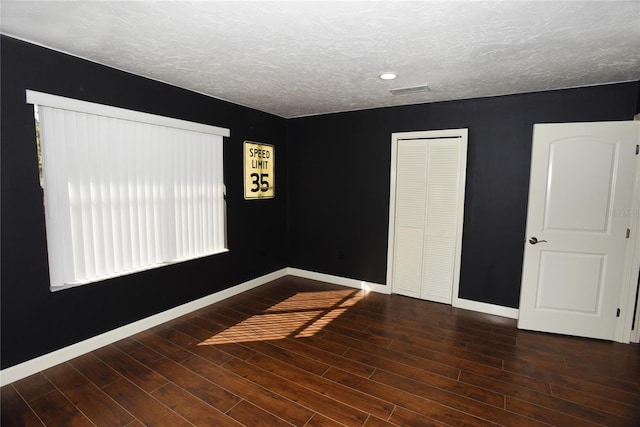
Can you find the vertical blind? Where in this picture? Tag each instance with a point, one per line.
(124, 192)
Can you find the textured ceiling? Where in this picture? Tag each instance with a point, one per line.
(303, 58)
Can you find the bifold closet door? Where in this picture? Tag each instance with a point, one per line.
(427, 237)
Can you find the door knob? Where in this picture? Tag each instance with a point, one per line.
(535, 240)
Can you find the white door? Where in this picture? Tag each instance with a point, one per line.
(580, 198)
(426, 213)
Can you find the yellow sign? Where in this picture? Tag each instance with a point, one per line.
(259, 171)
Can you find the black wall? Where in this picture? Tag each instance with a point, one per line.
(338, 200)
(35, 321)
(330, 214)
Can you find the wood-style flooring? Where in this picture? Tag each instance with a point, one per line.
(296, 352)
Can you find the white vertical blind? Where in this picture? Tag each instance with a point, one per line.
(123, 195)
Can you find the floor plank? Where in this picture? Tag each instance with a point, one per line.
(203, 388)
(366, 403)
(87, 397)
(264, 398)
(14, 411)
(331, 408)
(248, 414)
(33, 386)
(129, 368)
(191, 408)
(143, 406)
(55, 409)
(95, 370)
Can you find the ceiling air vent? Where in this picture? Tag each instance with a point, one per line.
(408, 90)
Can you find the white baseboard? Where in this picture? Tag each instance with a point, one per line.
(481, 307)
(23, 370)
(30, 367)
(486, 308)
(337, 280)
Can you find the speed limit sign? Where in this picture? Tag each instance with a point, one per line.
(259, 170)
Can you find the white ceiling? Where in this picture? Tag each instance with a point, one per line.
(303, 58)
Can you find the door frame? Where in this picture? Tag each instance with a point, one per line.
(627, 331)
(631, 273)
(631, 270)
(396, 137)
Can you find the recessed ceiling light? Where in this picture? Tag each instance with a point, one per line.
(388, 76)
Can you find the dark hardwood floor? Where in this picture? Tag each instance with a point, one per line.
(304, 353)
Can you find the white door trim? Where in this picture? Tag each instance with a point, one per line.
(633, 302)
(629, 296)
(433, 134)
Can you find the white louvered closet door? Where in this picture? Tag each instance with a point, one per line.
(410, 212)
(427, 235)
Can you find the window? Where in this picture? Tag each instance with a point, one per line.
(126, 191)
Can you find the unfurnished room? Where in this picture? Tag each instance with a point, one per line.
(322, 213)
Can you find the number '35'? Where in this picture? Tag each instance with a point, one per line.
(259, 182)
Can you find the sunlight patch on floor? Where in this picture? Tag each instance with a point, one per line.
(302, 315)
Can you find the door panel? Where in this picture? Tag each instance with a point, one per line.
(593, 166)
(571, 281)
(581, 174)
(407, 272)
(412, 183)
(438, 269)
(409, 226)
(443, 187)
